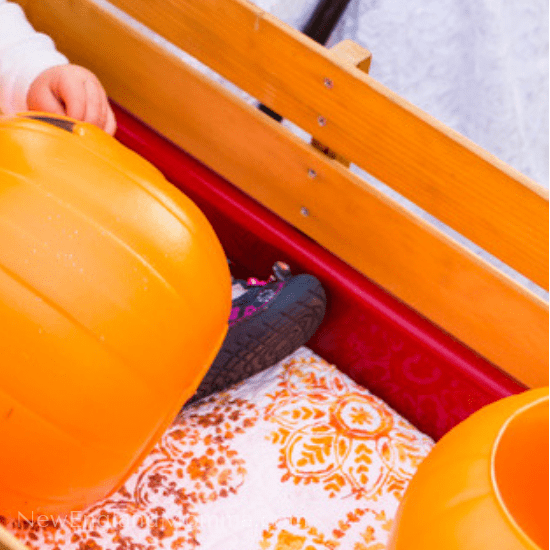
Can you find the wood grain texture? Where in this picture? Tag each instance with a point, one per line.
(459, 183)
(416, 263)
(9, 542)
(350, 53)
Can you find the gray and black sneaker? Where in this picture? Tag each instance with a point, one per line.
(269, 320)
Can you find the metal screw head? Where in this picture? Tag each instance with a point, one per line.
(312, 173)
(304, 211)
(321, 120)
(328, 83)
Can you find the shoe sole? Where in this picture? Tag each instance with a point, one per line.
(273, 334)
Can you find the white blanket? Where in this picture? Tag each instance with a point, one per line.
(298, 457)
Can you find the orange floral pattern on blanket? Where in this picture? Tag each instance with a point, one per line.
(329, 430)
(296, 534)
(155, 508)
(270, 464)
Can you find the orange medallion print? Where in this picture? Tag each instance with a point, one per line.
(332, 432)
(270, 464)
(360, 416)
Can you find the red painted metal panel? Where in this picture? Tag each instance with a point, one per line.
(423, 373)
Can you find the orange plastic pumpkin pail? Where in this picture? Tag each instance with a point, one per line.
(114, 300)
(484, 486)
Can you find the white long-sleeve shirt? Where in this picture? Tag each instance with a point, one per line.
(24, 54)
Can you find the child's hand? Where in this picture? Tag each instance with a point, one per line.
(73, 91)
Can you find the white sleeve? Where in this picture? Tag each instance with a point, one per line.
(24, 54)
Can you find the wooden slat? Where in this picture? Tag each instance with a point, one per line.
(416, 263)
(353, 55)
(487, 201)
(9, 542)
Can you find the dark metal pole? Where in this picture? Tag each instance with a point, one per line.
(324, 19)
(319, 27)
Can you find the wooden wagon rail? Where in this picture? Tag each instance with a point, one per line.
(447, 175)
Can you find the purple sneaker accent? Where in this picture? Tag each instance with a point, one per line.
(256, 298)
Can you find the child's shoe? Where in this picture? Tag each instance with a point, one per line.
(269, 320)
